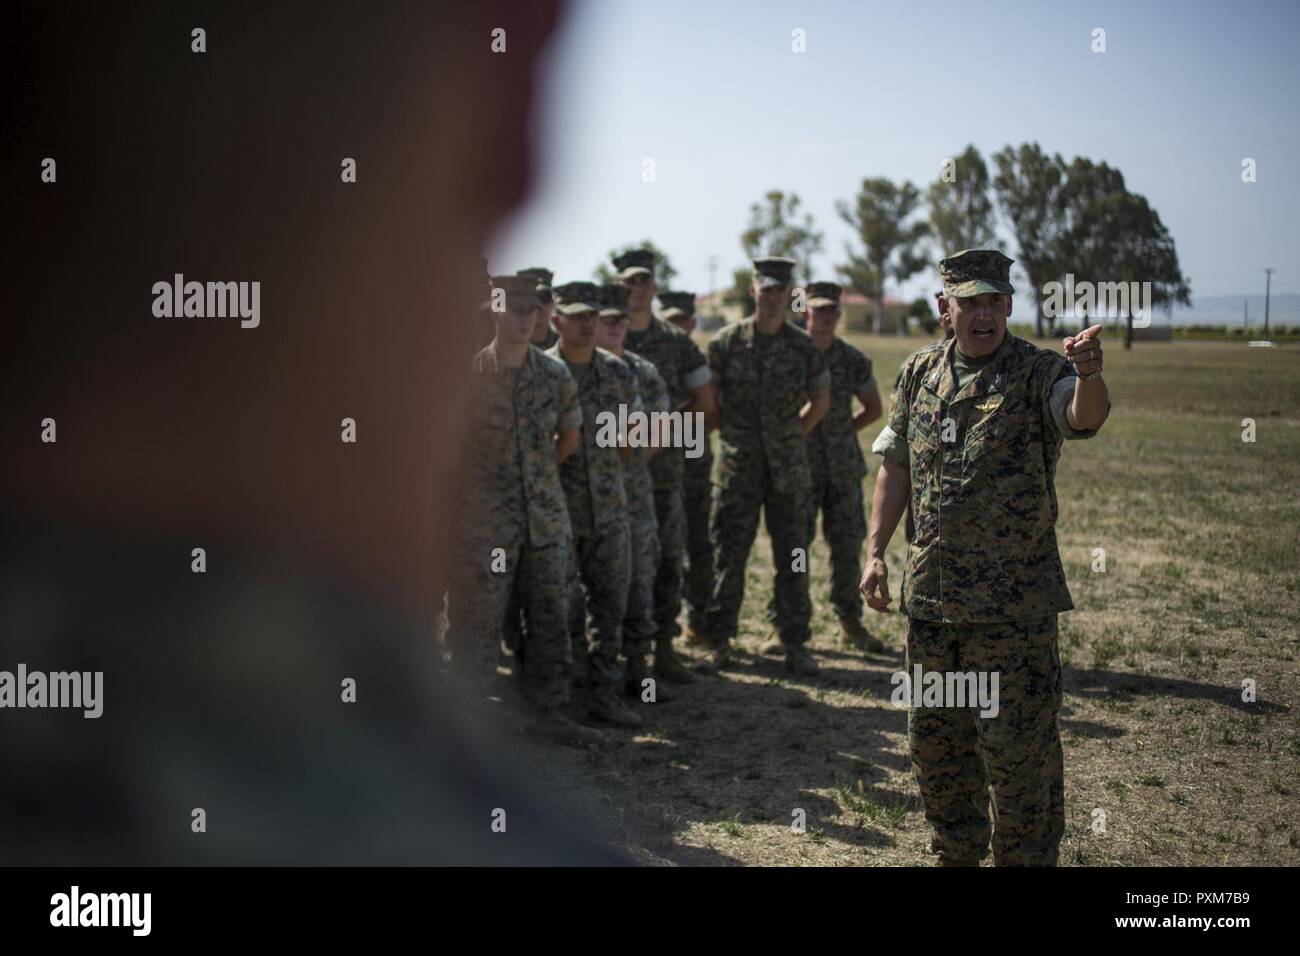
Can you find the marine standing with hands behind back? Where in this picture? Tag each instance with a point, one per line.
(975, 430)
(772, 389)
(514, 524)
(593, 487)
(684, 370)
(836, 465)
(697, 486)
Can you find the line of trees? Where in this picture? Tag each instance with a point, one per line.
(1077, 218)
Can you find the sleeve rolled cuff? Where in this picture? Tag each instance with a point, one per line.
(697, 377)
(1062, 395)
(891, 447)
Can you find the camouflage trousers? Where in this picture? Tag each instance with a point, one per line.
(671, 517)
(639, 626)
(697, 500)
(736, 509)
(600, 573)
(844, 526)
(538, 577)
(961, 759)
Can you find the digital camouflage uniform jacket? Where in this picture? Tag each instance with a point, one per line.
(680, 363)
(510, 475)
(984, 503)
(763, 382)
(833, 448)
(593, 475)
(636, 470)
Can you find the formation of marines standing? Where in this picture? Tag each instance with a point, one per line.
(578, 549)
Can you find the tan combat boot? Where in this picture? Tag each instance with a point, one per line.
(669, 666)
(696, 637)
(800, 661)
(718, 658)
(853, 635)
(636, 674)
(605, 705)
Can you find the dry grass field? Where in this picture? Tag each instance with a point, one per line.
(1201, 591)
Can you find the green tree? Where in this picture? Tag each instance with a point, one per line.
(664, 271)
(741, 290)
(1029, 185)
(961, 213)
(776, 229)
(1113, 235)
(1080, 219)
(921, 311)
(880, 217)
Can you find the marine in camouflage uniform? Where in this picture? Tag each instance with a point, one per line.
(975, 432)
(764, 371)
(514, 522)
(639, 622)
(543, 337)
(697, 488)
(836, 464)
(544, 334)
(684, 370)
(593, 487)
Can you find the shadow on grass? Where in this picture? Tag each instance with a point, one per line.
(1095, 684)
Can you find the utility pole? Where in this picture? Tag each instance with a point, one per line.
(1268, 284)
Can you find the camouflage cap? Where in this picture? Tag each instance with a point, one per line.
(773, 271)
(613, 300)
(976, 272)
(823, 294)
(677, 305)
(574, 298)
(635, 262)
(544, 278)
(520, 292)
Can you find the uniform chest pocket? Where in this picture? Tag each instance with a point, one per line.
(740, 379)
(742, 368)
(785, 381)
(493, 409)
(924, 428)
(539, 408)
(999, 433)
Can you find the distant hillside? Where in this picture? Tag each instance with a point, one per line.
(1284, 309)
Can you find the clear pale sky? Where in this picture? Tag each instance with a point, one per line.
(713, 93)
